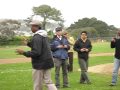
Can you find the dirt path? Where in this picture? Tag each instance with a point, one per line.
(16, 60)
(102, 69)
(102, 54)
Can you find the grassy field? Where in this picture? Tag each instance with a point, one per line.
(19, 77)
(102, 47)
(9, 52)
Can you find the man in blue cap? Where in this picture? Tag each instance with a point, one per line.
(60, 47)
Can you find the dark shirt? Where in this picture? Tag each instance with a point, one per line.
(40, 53)
(116, 45)
(79, 44)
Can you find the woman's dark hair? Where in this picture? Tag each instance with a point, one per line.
(84, 32)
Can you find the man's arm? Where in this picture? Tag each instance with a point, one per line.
(66, 45)
(35, 49)
(76, 46)
(113, 43)
(90, 46)
(53, 47)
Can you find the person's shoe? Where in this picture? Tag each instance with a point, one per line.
(112, 84)
(82, 82)
(85, 82)
(89, 83)
(66, 86)
(57, 87)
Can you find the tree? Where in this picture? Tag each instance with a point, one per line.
(102, 28)
(48, 13)
(7, 28)
(91, 32)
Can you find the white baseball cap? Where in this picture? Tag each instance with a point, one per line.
(36, 22)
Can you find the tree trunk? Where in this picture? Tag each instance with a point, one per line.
(44, 23)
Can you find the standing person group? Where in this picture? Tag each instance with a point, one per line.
(45, 56)
(60, 46)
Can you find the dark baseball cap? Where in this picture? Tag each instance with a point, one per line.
(58, 29)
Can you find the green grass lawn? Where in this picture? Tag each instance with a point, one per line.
(102, 47)
(100, 60)
(19, 77)
(95, 61)
(9, 51)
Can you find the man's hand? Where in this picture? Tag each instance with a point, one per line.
(19, 51)
(113, 40)
(84, 50)
(65, 46)
(60, 46)
(25, 41)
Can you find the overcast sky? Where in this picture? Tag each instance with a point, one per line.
(72, 10)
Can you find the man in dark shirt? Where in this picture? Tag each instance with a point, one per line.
(115, 43)
(42, 60)
(83, 47)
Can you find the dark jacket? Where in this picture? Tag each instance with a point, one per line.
(79, 44)
(60, 53)
(40, 52)
(116, 45)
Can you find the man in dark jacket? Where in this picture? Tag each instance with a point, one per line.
(59, 47)
(83, 47)
(42, 60)
(115, 43)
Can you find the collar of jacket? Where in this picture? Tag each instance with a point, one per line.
(41, 32)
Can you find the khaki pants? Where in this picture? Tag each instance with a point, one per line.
(40, 76)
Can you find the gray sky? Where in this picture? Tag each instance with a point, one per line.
(72, 10)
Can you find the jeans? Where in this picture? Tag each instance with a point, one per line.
(61, 63)
(115, 70)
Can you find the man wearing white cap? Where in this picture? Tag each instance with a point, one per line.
(42, 60)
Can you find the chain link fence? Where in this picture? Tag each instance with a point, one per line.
(18, 41)
(101, 39)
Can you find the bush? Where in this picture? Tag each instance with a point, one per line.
(3, 40)
(17, 40)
